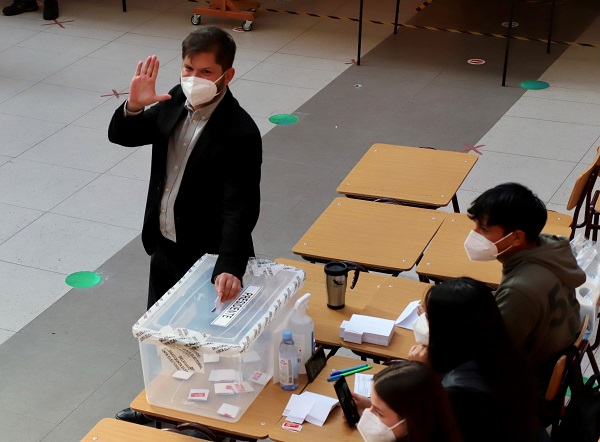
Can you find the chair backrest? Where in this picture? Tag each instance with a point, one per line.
(558, 376)
(581, 195)
(195, 427)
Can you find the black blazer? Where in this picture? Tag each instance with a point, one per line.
(218, 202)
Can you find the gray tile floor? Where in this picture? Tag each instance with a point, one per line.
(74, 202)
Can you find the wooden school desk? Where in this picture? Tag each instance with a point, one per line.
(382, 237)
(327, 321)
(254, 424)
(446, 257)
(412, 175)
(113, 430)
(335, 428)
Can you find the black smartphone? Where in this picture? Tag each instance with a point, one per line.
(315, 363)
(346, 401)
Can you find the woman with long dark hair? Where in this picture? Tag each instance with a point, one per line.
(407, 404)
(487, 380)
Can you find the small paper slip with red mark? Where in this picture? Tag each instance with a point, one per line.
(260, 378)
(224, 388)
(198, 394)
(228, 410)
(291, 426)
(242, 387)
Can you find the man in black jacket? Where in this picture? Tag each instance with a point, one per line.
(204, 190)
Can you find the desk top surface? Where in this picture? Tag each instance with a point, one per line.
(379, 236)
(374, 295)
(446, 257)
(255, 423)
(410, 174)
(113, 430)
(327, 321)
(335, 428)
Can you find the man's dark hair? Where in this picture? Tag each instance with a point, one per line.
(210, 39)
(511, 206)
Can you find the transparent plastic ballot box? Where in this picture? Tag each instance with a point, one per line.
(215, 362)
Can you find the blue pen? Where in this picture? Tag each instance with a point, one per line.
(334, 378)
(336, 372)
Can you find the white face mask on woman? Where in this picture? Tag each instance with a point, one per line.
(199, 91)
(373, 430)
(479, 248)
(421, 330)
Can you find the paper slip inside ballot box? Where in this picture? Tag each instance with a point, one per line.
(408, 317)
(363, 384)
(368, 329)
(229, 410)
(312, 407)
(223, 375)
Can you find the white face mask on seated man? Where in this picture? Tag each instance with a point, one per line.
(479, 248)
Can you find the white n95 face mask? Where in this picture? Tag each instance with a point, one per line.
(479, 248)
(421, 330)
(373, 430)
(199, 90)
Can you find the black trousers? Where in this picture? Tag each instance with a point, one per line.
(168, 264)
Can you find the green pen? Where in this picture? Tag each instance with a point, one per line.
(356, 371)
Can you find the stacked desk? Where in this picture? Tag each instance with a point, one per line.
(381, 237)
(410, 175)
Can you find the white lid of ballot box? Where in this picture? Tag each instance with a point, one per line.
(183, 317)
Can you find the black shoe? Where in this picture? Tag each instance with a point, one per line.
(50, 9)
(20, 6)
(134, 417)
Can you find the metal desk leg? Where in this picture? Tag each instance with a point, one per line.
(395, 18)
(360, 16)
(550, 27)
(455, 204)
(124, 5)
(508, 38)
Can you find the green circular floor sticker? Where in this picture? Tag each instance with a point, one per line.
(535, 85)
(283, 119)
(83, 280)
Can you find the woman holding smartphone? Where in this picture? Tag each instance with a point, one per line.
(407, 404)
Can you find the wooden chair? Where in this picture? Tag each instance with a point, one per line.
(581, 199)
(566, 374)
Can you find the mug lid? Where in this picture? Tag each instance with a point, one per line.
(336, 268)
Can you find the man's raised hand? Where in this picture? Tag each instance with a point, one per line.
(142, 91)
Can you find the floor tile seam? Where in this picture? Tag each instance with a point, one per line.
(47, 31)
(569, 101)
(178, 40)
(34, 268)
(113, 60)
(33, 83)
(488, 149)
(44, 81)
(4, 410)
(79, 169)
(146, 181)
(51, 212)
(560, 187)
(508, 114)
(279, 84)
(300, 67)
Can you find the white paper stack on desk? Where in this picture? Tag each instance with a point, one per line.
(368, 329)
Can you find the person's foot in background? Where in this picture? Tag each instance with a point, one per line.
(50, 9)
(20, 6)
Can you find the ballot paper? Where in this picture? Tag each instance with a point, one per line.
(408, 317)
(228, 410)
(210, 358)
(183, 375)
(363, 384)
(361, 328)
(224, 388)
(223, 375)
(198, 395)
(312, 407)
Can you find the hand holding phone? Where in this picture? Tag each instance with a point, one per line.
(346, 401)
